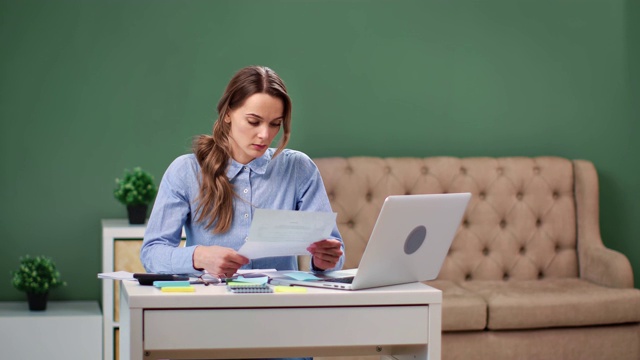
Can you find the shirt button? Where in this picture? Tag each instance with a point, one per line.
(246, 191)
(246, 168)
(246, 216)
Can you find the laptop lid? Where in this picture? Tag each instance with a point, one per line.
(409, 242)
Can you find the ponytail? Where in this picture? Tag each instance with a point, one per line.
(215, 200)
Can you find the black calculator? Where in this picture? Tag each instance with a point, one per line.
(148, 279)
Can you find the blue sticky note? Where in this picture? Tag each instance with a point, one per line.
(161, 284)
(301, 276)
(251, 280)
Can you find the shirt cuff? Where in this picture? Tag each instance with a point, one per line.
(313, 266)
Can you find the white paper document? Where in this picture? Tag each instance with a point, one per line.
(118, 275)
(286, 232)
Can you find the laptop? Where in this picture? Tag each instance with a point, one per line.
(409, 243)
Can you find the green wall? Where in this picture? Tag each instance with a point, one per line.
(89, 88)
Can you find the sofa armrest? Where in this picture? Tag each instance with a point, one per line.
(605, 267)
(598, 264)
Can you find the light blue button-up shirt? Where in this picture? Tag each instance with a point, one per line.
(290, 181)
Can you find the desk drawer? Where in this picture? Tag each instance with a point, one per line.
(284, 327)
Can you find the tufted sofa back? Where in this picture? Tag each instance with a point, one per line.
(520, 222)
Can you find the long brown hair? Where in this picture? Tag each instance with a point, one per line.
(215, 200)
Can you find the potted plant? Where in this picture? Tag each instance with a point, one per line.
(136, 190)
(36, 276)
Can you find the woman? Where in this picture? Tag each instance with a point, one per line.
(212, 193)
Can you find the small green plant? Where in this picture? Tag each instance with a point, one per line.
(135, 188)
(36, 275)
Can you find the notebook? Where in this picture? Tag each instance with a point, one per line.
(409, 243)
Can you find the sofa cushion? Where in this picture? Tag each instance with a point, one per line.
(554, 303)
(461, 309)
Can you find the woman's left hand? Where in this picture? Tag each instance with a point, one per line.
(325, 253)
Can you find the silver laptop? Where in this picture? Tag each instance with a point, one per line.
(409, 243)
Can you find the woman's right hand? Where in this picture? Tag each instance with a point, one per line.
(218, 260)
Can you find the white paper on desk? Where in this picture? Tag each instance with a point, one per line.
(118, 275)
(286, 232)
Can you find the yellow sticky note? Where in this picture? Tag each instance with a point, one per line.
(289, 289)
(178, 289)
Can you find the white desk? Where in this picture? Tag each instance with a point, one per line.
(66, 330)
(403, 321)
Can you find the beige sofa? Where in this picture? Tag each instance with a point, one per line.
(527, 276)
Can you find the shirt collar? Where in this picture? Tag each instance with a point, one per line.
(257, 165)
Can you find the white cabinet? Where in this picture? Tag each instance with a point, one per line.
(121, 243)
(66, 330)
(113, 229)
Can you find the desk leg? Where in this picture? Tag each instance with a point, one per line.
(130, 330)
(435, 332)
